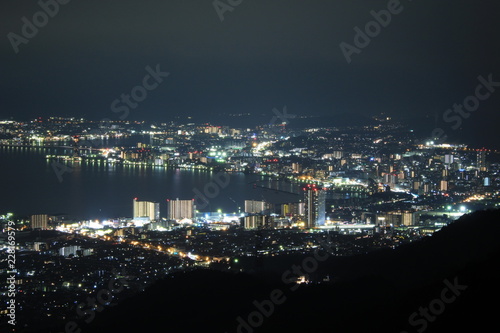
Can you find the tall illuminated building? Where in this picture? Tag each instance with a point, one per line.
(147, 209)
(314, 206)
(181, 209)
(292, 209)
(296, 168)
(256, 221)
(481, 160)
(443, 186)
(448, 159)
(255, 207)
(40, 221)
(486, 181)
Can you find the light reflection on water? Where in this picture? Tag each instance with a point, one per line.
(100, 190)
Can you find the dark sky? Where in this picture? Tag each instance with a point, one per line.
(264, 54)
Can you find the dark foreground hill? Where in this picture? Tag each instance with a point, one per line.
(444, 283)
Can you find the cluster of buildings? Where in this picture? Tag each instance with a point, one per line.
(377, 174)
(351, 179)
(362, 188)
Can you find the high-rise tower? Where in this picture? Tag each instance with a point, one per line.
(181, 209)
(314, 206)
(481, 160)
(147, 209)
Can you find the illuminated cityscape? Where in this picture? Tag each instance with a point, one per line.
(249, 166)
(369, 198)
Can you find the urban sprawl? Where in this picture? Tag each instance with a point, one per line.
(360, 188)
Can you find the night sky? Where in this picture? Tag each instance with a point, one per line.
(264, 54)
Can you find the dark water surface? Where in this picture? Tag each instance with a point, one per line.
(29, 185)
